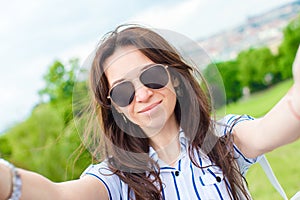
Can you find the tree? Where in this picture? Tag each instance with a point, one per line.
(59, 81)
(288, 48)
(58, 90)
(255, 66)
(229, 71)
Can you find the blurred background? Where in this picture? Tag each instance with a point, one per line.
(43, 43)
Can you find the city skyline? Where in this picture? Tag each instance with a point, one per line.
(265, 29)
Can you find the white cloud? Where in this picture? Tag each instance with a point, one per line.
(169, 16)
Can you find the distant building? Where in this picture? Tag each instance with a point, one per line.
(261, 30)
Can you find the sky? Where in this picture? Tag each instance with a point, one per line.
(34, 33)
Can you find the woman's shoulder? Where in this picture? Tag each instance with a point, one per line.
(98, 169)
(226, 124)
(104, 174)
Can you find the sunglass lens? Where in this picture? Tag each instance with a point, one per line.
(123, 94)
(155, 77)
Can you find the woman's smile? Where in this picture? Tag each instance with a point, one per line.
(150, 108)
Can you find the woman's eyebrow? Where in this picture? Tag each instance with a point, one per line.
(122, 79)
(117, 81)
(147, 65)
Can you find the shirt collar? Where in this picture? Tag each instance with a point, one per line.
(183, 148)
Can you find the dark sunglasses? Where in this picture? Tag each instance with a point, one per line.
(155, 76)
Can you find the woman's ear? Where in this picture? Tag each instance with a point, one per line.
(175, 82)
(176, 85)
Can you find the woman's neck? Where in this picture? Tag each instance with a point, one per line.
(166, 141)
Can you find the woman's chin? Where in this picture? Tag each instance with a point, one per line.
(154, 125)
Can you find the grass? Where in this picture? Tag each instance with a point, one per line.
(260, 103)
(284, 160)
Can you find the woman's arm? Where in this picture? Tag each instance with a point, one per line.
(36, 187)
(280, 126)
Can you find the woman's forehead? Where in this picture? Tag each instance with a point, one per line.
(124, 62)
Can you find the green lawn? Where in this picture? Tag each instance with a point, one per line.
(284, 160)
(260, 103)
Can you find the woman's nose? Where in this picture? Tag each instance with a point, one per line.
(143, 93)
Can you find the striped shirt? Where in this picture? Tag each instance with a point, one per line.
(184, 180)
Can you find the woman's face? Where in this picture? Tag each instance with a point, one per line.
(150, 108)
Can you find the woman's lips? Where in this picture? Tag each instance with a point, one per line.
(150, 107)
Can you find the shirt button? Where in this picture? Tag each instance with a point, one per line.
(218, 179)
(176, 173)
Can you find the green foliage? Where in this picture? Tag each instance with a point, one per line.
(254, 67)
(5, 148)
(33, 136)
(59, 81)
(59, 84)
(43, 144)
(288, 48)
(229, 71)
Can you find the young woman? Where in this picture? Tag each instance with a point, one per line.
(161, 141)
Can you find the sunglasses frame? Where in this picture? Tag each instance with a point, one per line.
(138, 77)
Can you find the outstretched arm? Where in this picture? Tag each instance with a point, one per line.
(36, 187)
(280, 126)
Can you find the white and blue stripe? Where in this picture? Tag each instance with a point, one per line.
(184, 180)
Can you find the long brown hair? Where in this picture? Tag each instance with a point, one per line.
(138, 169)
